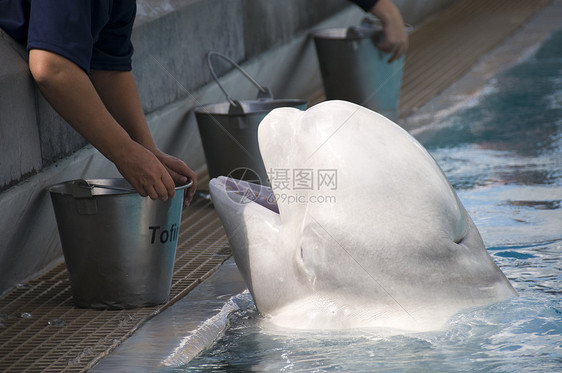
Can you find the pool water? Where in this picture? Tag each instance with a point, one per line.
(503, 155)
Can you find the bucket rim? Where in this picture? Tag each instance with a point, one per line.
(363, 31)
(343, 33)
(101, 187)
(256, 106)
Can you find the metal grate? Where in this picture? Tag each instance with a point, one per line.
(42, 331)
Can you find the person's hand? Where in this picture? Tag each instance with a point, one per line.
(395, 36)
(145, 172)
(395, 41)
(179, 172)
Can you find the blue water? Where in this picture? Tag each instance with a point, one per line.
(504, 158)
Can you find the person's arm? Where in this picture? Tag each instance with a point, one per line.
(71, 93)
(395, 35)
(119, 94)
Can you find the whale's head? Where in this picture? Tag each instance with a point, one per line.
(359, 228)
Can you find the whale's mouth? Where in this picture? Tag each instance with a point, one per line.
(243, 192)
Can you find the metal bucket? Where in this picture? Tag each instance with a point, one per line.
(354, 69)
(229, 131)
(119, 247)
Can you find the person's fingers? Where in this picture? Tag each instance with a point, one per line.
(395, 54)
(151, 192)
(388, 48)
(402, 49)
(384, 46)
(179, 172)
(161, 191)
(179, 179)
(161, 186)
(141, 190)
(188, 196)
(156, 184)
(170, 186)
(396, 50)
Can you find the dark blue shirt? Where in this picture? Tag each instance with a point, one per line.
(94, 34)
(365, 4)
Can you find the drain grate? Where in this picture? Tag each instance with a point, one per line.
(42, 331)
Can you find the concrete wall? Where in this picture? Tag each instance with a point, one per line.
(32, 134)
(171, 38)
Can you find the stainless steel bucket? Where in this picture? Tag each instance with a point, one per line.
(119, 247)
(354, 69)
(229, 131)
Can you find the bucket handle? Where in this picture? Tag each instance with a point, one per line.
(263, 92)
(83, 189)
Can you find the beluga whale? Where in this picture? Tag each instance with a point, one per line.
(358, 228)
